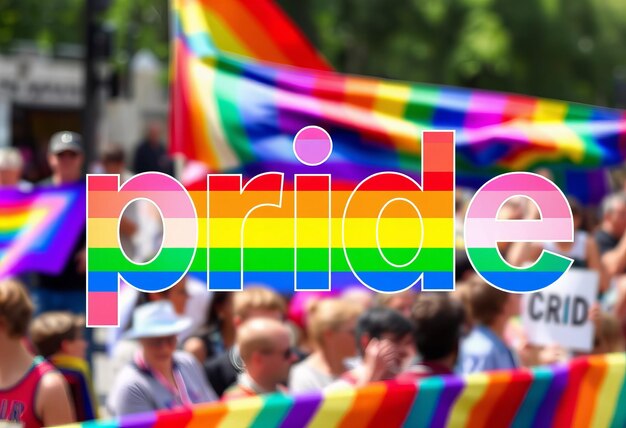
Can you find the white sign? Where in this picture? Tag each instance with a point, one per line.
(559, 314)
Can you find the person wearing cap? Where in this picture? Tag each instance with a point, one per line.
(65, 291)
(159, 376)
(66, 158)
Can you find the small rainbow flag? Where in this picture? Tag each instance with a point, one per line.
(587, 392)
(38, 229)
(240, 114)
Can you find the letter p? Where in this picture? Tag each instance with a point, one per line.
(106, 260)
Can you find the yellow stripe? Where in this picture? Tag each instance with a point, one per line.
(225, 38)
(203, 78)
(103, 232)
(389, 106)
(193, 19)
(609, 391)
(549, 111)
(17, 221)
(242, 412)
(475, 386)
(334, 407)
(278, 233)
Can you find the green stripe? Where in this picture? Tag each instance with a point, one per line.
(112, 259)
(273, 411)
(274, 260)
(228, 96)
(367, 259)
(489, 260)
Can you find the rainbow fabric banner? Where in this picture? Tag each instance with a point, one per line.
(240, 114)
(38, 229)
(588, 392)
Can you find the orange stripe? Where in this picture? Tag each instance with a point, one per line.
(250, 31)
(207, 415)
(364, 406)
(498, 384)
(588, 391)
(228, 205)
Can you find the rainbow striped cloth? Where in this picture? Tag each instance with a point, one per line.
(39, 229)
(240, 114)
(588, 392)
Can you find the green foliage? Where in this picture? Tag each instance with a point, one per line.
(571, 50)
(565, 49)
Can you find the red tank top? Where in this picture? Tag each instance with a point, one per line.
(17, 403)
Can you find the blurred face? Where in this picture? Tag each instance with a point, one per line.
(342, 341)
(404, 348)
(113, 167)
(67, 165)
(9, 177)
(75, 348)
(617, 218)
(403, 303)
(159, 350)
(275, 362)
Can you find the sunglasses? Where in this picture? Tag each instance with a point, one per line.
(286, 354)
(157, 342)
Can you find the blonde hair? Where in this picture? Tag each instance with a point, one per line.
(10, 158)
(16, 308)
(330, 315)
(257, 298)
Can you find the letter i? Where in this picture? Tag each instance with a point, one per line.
(312, 212)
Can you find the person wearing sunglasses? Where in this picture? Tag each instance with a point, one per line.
(265, 349)
(159, 377)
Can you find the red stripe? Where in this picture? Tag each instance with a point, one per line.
(172, 418)
(567, 405)
(290, 40)
(313, 184)
(504, 411)
(438, 180)
(181, 140)
(102, 184)
(395, 406)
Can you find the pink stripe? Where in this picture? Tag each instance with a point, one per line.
(109, 204)
(101, 309)
(551, 203)
(519, 182)
(483, 233)
(485, 109)
(152, 181)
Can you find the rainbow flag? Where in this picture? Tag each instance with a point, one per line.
(587, 392)
(240, 114)
(39, 229)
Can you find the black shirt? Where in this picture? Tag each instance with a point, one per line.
(605, 241)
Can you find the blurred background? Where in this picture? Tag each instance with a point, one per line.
(100, 66)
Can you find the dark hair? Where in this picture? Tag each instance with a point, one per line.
(438, 322)
(378, 321)
(486, 301)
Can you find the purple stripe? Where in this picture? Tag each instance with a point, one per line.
(140, 420)
(451, 390)
(302, 411)
(547, 410)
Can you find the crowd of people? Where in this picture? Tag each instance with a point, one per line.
(186, 345)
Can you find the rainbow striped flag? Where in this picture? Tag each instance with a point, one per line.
(39, 229)
(236, 113)
(587, 392)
